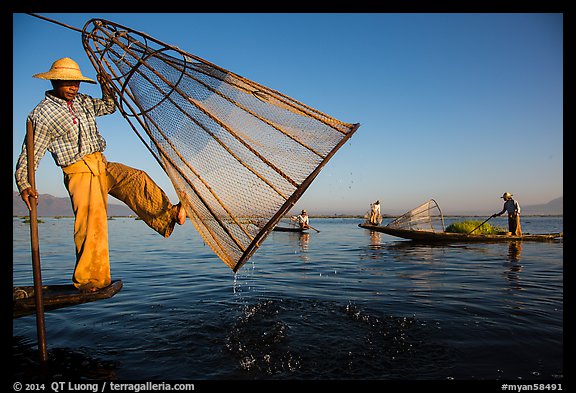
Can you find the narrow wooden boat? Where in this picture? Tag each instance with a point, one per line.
(430, 236)
(57, 296)
(290, 229)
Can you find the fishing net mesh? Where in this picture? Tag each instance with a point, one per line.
(426, 217)
(239, 154)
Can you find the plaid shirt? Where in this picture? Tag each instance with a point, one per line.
(66, 129)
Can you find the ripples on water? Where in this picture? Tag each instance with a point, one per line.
(344, 303)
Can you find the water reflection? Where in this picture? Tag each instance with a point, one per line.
(375, 239)
(514, 251)
(512, 273)
(375, 249)
(403, 250)
(63, 363)
(303, 239)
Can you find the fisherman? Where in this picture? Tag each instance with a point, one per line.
(64, 123)
(375, 216)
(302, 219)
(513, 209)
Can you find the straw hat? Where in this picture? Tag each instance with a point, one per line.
(64, 69)
(506, 196)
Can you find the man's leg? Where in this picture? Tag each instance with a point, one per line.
(141, 194)
(89, 202)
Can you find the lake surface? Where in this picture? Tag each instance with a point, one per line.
(345, 303)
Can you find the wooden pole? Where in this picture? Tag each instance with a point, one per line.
(37, 271)
(485, 221)
(314, 228)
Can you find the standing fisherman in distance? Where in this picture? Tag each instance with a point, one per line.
(513, 209)
(375, 216)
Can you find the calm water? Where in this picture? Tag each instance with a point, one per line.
(344, 303)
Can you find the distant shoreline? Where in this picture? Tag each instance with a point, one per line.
(50, 206)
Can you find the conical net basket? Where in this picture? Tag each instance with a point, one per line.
(239, 154)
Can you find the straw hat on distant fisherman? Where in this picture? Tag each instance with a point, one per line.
(506, 196)
(64, 69)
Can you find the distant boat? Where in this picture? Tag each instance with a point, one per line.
(291, 229)
(57, 296)
(431, 236)
(426, 223)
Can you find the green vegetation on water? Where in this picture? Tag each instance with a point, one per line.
(469, 225)
(26, 220)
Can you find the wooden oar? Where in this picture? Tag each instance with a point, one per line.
(485, 221)
(310, 226)
(36, 270)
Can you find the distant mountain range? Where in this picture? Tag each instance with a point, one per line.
(51, 206)
(552, 208)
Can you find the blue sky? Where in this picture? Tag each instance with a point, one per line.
(455, 107)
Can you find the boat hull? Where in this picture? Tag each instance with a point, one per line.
(57, 296)
(287, 229)
(464, 237)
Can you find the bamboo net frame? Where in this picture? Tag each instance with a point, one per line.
(426, 217)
